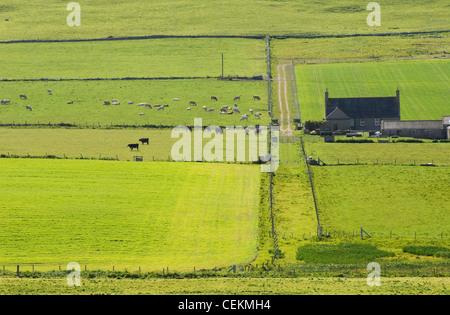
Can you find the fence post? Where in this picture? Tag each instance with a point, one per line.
(18, 271)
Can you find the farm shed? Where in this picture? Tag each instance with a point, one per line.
(421, 129)
(361, 113)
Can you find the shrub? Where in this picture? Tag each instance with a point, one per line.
(313, 125)
(435, 251)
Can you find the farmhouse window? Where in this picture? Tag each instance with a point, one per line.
(362, 123)
(352, 123)
(377, 122)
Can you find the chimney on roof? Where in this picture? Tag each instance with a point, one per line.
(326, 97)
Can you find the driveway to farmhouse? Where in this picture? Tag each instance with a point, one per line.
(285, 115)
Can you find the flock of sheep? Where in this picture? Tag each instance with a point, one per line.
(224, 110)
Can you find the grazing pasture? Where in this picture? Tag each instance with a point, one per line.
(103, 18)
(87, 100)
(384, 198)
(174, 57)
(423, 84)
(123, 214)
(100, 143)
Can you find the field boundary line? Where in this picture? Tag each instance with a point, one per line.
(256, 37)
(236, 78)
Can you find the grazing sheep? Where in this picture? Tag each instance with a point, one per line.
(213, 98)
(130, 102)
(166, 105)
(28, 108)
(224, 108)
(115, 103)
(188, 108)
(258, 115)
(161, 108)
(176, 100)
(148, 106)
(251, 111)
(205, 108)
(256, 98)
(49, 92)
(143, 104)
(230, 113)
(106, 103)
(142, 114)
(5, 102)
(211, 110)
(70, 102)
(237, 98)
(236, 110)
(23, 97)
(193, 103)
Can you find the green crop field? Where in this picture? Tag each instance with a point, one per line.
(424, 87)
(88, 97)
(175, 57)
(47, 19)
(123, 214)
(384, 198)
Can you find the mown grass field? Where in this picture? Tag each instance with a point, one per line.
(381, 199)
(169, 57)
(88, 110)
(423, 85)
(230, 286)
(104, 214)
(104, 18)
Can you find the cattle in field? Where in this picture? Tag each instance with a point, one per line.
(134, 146)
(213, 98)
(193, 103)
(28, 108)
(145, 141)
(23, 97)
(237, 98)
(256, 98)
(106, 103)
(4, 102)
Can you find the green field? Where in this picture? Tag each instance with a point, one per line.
(106, 144)
(104, 214)
(424, 87)
(189, 57)
(88, 110)
(383, 198)
(378, 153)
(230, 286)
(104, 18)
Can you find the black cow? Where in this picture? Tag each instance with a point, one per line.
(134, 146)
(144, 140)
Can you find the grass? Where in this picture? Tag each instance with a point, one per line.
(229, 286)
(88, 97)
(103, 214)
(342, 253)
(423, 86)
(361, 48)
(117, 18)
(413, 198)
(378, 153)
(190, 57)
(428, 251)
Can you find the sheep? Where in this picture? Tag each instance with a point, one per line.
(211, 110)
(23, 97)
(205, 108)
(70, 102)
(176, 100)
(28, 108)
(188, 108)
(224, 108)
(49, 92)
(236, 110)
(116, 103)
(130, 102)
(166, 105)
(143, 104)
(142, 114)
(161, 108)
(193, 103)
(213, 98)
(106, 103)
(256, 98)
(244, 117)
(237, 98)
(5, 102)
(258, 115)
(251, 111)
(148, 106)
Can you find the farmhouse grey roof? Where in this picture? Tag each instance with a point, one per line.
(337, 114)
(365, 107)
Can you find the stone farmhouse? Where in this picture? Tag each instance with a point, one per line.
(420, 129)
